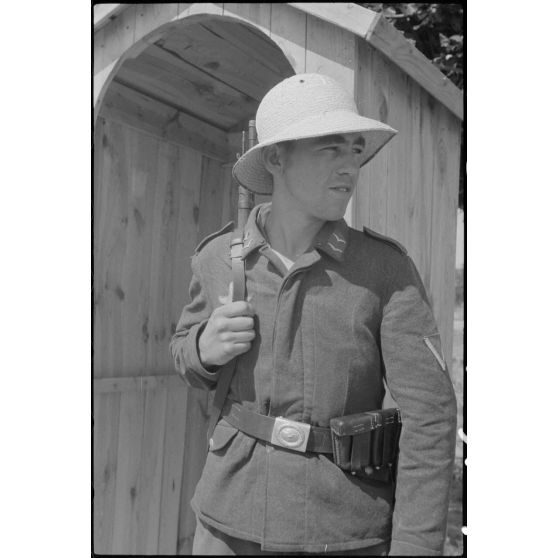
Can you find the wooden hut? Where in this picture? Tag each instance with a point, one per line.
(174, 85)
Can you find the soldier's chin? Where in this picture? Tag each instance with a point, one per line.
(335, 213)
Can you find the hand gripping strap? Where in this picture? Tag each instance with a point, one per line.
(239, 291)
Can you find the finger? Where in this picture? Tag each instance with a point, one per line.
(242, 336)
(238, 308)
(240, 323)
(240, 348)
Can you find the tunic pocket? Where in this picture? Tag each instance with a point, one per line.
(222, 435)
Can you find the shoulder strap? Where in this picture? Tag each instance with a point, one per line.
(386, 239)
(239, 291)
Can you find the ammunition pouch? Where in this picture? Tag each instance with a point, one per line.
(367, 444)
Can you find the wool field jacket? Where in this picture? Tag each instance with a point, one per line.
(350, 313)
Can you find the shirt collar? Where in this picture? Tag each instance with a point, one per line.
(331, 239)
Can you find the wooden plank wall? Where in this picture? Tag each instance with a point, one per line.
(409, 190)
(150, 211)
(141, 443)
(154, 200)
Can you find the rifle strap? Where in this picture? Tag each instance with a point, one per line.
(238, 293)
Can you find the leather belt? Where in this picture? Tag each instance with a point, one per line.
(278, 431)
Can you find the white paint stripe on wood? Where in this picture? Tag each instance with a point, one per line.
(103, 13)
(349, 16)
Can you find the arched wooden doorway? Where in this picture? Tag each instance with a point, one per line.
(168, 127)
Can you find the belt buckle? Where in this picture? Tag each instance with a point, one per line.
(290, 434)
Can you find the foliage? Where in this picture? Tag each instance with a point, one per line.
(437, 31)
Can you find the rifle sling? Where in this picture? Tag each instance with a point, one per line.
(238, 293)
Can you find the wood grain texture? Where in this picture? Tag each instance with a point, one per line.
(331, 50)
(215, 56)
(188, 216)
(288, 31)
(252, 43)
(137, 383)
(110, 42)
(143, 186)
(372, 98)
(106, 416)
(110, 222)
(148, 214)
(151, 471)
(103, 13)
(130, 107)
(444, 217)
(193, 94)
(195, 454)
(126, 511)
(350, 17)
(399, 157)
(211, 198)
(151, 16)
(256, 14)
(173, 458)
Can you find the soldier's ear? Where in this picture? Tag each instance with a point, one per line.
(273, 159)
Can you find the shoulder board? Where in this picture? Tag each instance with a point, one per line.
(385, 239)
(228, 227)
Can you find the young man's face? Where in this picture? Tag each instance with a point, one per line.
(321, 174)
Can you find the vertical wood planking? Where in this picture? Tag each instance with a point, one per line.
(288, 30)
(195, 454)
(379, 110)
(257, 14)
(151, 472)
(162, 268)
(126, 510)
(110, 222)
(105, 439)
(423, 171)
(399, 157)
(211, 197)
(149, 17)
(330, 50)
(228, 211)
(144, 184)
(444, 216)
(188, 216)
(173, 459)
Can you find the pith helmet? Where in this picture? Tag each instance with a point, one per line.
(305, 106)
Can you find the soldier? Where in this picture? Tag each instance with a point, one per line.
(331, 313)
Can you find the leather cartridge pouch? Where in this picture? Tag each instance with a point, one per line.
(367, 444)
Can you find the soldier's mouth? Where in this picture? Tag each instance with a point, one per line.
(345, 189)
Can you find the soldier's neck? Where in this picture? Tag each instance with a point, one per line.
(290, 231)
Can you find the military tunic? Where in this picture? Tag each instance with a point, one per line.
(350, 312)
